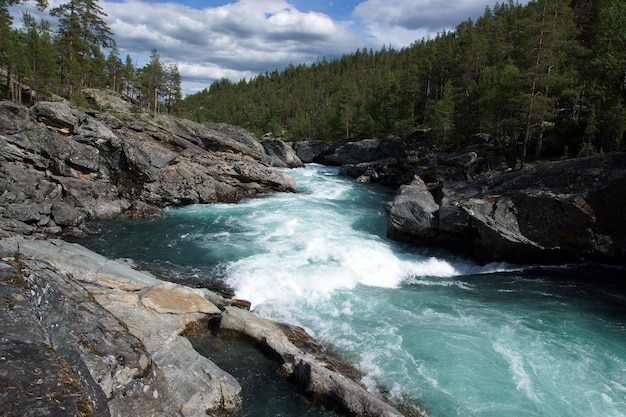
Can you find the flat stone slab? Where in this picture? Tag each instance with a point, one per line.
(169, 298)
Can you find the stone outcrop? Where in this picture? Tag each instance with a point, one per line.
(118, 329)
(280, 154)
(386, 161)
(568, 211)
(61, 166)
(318, 378)
(311, 150)
(394, 161)
(85, 335)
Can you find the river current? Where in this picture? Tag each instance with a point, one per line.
(460, 338)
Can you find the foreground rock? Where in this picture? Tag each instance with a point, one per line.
(319, 379)
(61, 166)
(568, 211)
(84, 335)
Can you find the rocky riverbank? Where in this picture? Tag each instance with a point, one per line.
(473, 203)
(84, 335)
(63, 166)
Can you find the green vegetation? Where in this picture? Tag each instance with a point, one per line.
(546, 79)
(43, 63)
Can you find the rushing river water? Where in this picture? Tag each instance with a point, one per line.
(462, 339)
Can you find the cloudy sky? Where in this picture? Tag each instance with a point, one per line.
(214, 39)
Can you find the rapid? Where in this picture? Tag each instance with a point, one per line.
(426, 326)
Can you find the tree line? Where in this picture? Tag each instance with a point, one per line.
(546, 79)
(45, 62)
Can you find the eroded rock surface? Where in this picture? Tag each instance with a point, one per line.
(112, 335)
(119, 330)
(568, 211)
(61, 166)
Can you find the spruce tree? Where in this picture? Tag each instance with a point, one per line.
(82, 32)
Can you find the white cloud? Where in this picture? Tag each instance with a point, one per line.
(401, 22)
(237, 40)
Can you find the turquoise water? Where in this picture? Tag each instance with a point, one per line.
(460, 338)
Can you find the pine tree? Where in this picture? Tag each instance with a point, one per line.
(39, 50)
(129, 77)
(173, 87)
(114, 67)
(8, 41)
(442, 117)
(152, 81)
(82, 32)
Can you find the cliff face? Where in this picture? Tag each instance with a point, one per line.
(61, 166)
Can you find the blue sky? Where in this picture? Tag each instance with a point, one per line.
(237, 39)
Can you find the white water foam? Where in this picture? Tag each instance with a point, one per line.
(425, 325)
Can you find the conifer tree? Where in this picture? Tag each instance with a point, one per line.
(39, 51)
(8, 41)
(82, 32)
(114, 67)
(152, 81)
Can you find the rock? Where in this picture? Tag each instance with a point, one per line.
(280, 154)
(551, 213)
(365, 150)
(174, 299)
(413, 212)
(12, 117)
(34, 379)
(310, 150)
(317, 377)
(114, 335)
(461, 160)
(111, 102)
(120, 328)
(89, 165)
(236, 138)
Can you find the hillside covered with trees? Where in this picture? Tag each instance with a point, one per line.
(43, 62)
(545, 80)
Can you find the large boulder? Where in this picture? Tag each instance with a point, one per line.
(413, 212)
(281, 154)
(311, 150)
(551, 213)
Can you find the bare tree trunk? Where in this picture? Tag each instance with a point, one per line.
(156, 100)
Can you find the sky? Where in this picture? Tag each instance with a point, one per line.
(212, 39)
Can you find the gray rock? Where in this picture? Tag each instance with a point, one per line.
(314, 375)
(462, 160)
(12, 117)
(552, 213)
(365, 150)
(34, 379)
(280, 154)
(119, 329)
(310, 151)
(70, 159)
(413, 212)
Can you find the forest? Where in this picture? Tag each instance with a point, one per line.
(46, 63)
(547, 80)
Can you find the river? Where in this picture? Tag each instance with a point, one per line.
(460, 338)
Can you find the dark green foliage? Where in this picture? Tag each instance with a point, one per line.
(544, 80)
(41, 62)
